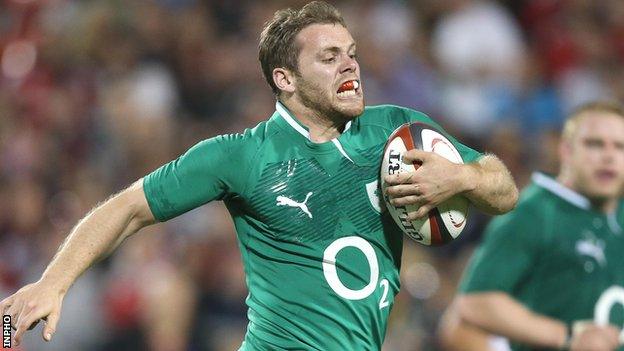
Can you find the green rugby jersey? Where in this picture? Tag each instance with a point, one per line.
(555, 254)
(321, 257)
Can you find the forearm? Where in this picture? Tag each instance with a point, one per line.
(500, 314)
(456, 334)
(490, 186)
(95, 236)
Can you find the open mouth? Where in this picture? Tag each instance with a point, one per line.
(348, 89)
(605, 175)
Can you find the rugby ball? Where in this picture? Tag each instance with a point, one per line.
(444, 222)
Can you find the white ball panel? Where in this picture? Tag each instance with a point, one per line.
(454, 212)
(438, 143)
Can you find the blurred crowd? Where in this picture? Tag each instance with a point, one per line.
(95, 94)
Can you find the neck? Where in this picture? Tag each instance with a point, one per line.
(602, 204)
(322, 128)
(606, 206)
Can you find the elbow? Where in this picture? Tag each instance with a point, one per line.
(467, 310)
(513, 197)
(509, 193)
(136, 207)
(499, 193)
(502, 203)
(506, 197)
(509, 200)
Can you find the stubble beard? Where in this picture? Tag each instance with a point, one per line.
(594, 191)
(313, 97)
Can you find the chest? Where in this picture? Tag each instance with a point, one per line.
(317, 197)
(586, 248)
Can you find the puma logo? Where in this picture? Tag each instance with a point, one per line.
(284, 201)
(592, 249)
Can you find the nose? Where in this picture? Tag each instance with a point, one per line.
(349, 64)
(610, 153)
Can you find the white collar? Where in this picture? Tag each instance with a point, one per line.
(572, 197)
(561, 190)
(283, 111)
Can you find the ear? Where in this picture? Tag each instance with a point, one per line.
(565, 152)
(284, 80)
(565, 149)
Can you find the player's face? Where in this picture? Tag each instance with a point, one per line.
(328, 80)
(595, 156)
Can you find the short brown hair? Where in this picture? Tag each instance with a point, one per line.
(608, 107)
(277, 40)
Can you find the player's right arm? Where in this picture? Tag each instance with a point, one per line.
(210, 170)
(96, 235)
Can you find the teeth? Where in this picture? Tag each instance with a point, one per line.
(346, 93)
(356, 84)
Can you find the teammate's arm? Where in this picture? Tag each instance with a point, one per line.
(454, 334)
(500, 314)
(487, 183)
(94, 237)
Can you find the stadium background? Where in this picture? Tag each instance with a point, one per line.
(94, 94)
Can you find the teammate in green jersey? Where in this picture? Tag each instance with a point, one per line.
(321, 256)
(550, 274)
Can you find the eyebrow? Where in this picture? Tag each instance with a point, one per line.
(336, 49)
(593, 140)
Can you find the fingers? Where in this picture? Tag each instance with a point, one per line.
(404, 190)
(416, 156)
(50, 326)
(407, 200)
(596, 338)
(28, 319)
(421, 213)
(28, 306)
(409, 194)
(14, 311)
(400, 178)
(612, 335)
(23, 321)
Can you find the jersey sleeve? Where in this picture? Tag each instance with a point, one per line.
(211, 170)
(468, 154)
(510, 249)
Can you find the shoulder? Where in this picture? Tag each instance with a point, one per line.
(250, 139)
(391, 116)
(252, 136)
(533, 210)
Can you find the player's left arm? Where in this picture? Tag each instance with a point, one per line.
(486, 183)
